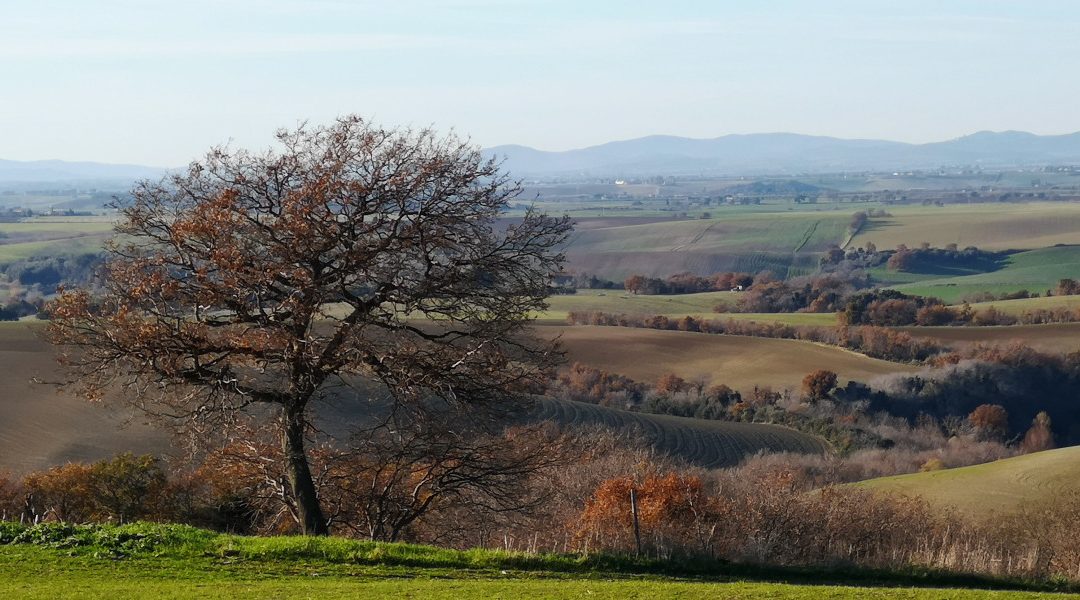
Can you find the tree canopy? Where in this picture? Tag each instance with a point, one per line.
(252, 284)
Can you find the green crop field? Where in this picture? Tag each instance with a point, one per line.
(168, 561)
(1019, 306)
(621, 301)
(50, 238)
(1000, 487)
(737, 361)
(1034, 270)
(989, 226)
(787, 243)
(698, 306)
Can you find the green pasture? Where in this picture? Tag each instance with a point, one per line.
(674, 306)
(989, 226)
(165, 561)
(1033, 270)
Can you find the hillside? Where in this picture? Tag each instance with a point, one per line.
(40, 427)
(996, 226)
(1054, 337)
(779, 153)
(736, 361)
(1001, 487)
(705, 443)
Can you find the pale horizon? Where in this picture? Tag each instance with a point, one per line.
(160, 83)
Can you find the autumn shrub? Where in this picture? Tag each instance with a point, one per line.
(62, 493)
(123, 488)
(11, 497)
(674, 514)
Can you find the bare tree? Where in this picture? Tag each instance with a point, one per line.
(251, 284)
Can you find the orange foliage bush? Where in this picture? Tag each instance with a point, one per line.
(672, 509)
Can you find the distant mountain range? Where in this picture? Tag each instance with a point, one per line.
(752, 154)
(788, 153)
(55, 171)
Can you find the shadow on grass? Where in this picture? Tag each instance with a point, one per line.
(184, 543)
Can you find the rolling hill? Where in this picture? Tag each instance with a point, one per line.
(702, 442)
(1053, 338)
(993, 226)
(736, 361)
(781, 153)
(40, 427)
(1000, 487)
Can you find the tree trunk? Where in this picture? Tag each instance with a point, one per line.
(302, 485)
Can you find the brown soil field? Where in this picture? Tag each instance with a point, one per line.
(1054, 338)
(41, 427)
(699, 441)
(736, 361)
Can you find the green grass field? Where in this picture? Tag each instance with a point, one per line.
(1016, 307)
(698, 306)
(1034, 270)
(786, 243)
(155, 561)
(51, 238)
(1000, 487)
(990, 226)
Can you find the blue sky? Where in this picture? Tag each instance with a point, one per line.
(158, 83)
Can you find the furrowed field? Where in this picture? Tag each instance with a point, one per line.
(40, 427)
(782, 242)
(1001, 487)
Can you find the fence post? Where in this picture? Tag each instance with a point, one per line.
(633, 511)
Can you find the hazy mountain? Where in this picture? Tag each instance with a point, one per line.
(781, 153)
(14, 171)
(752, 154)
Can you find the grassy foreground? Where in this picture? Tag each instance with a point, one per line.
(166, 561)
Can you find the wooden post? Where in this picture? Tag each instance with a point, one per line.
(633, 511)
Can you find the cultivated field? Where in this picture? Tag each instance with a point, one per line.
(1016, 307)
(1054, 338)
(702, 442)
(736, 361)
(40, 427)
(1001, 487)
(785, 243)
(673, 306)
(1035, 271)
(50, 238)
(990, 226)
